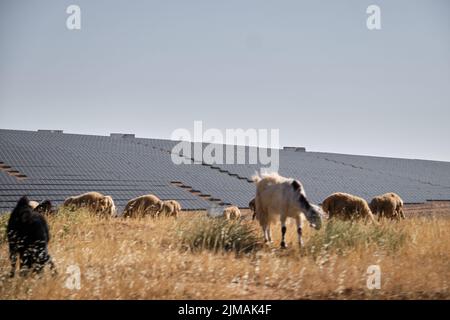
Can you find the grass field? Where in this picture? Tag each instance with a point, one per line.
(195, 257)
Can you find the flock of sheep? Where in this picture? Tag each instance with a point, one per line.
(276, 197)
(280, 197)
(104, 205)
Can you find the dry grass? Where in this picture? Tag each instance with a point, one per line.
(195, 257)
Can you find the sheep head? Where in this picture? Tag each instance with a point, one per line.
(315, 216)
(44, 207)
(312, 212)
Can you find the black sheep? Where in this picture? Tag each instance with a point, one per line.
(28, 236)
(45, 208)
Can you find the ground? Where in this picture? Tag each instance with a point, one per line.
(158, 259)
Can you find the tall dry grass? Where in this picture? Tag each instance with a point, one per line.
(195, 257)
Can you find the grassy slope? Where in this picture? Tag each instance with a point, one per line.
(180, 259)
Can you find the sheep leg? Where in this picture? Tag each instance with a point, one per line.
(298, 222)
(380, 215)
(266, 233)
(283, 232)
(13, 258)
(52, 266)
(25, 262)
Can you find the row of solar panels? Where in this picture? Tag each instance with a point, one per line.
(57, 165)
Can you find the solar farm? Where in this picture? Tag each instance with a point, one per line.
(196, 255)
(54, 165)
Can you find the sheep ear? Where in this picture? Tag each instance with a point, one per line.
(296, 185)
(23, 201)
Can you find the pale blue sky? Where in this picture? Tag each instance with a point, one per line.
(309, 68)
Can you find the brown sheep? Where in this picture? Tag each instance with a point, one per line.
(171, 208)
(143, 205)
(89, 200)
(107, 206)
(399, 204)
(232, 213)
(388, 205)
(94, 201)
(277, 196)
(177, 206)
(347, 207)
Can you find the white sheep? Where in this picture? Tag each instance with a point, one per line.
(283, 197)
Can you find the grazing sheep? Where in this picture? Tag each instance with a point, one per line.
(398, 204)
(94, 201)
(231, 213)
(90, 200)
(283, 197)
(251, 206)
(171, 208)
(45, 208)
(143, 205)
(347, 206)
(28, 236)
(107, 206)
(388, 205)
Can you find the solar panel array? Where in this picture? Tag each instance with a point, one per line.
(55, 165)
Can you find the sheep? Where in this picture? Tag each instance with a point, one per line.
(28, 236)
(89, 199)
(45, 207)
(146, 204)
(283, 197)
(171, 208)
(399, 204)
(251, 206)
(107, 206)
(94, 201)
(177, 207)
(388, 205)
(168, 209)
(231, 213)
(346, 206)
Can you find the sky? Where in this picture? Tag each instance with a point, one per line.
(311, 69)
